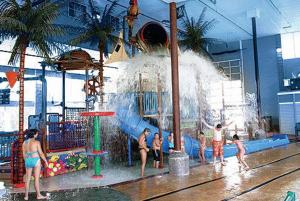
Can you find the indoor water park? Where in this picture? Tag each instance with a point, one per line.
(197, 100)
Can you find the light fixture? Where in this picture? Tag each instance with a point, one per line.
(278, 50)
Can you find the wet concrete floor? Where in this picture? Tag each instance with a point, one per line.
(273, 173)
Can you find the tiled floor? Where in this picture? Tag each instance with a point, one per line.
(273, 173)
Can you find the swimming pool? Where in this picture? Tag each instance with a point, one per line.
(88, 194)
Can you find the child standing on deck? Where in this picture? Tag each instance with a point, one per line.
(171, 143)
(143, 148)
(202, 142)
(217, 142)
(241, 151)
(156, 144)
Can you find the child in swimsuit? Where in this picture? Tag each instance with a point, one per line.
(241, 151)
(182, 144)
(32, 152)
(202, 143)
(217, 142)
(171, 142)
(156, 144)
(143, 148)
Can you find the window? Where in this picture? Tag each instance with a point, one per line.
(76, 10)
(290, 43)
(231, 91)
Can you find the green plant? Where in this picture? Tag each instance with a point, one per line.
(98, 31)
(30, 26)
(193, 35)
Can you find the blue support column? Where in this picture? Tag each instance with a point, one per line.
(63, 103)
(44, 94)
(129, 151)
(38, 98)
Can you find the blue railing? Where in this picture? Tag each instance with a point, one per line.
(6, 140)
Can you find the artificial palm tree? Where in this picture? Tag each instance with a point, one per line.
(30, 27)
(98, 31)
(193, 35)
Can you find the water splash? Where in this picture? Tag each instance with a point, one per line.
(197, 76)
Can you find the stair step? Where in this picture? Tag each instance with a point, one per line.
(5, 168)
(5, 176)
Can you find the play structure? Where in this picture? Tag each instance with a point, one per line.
(133, 125)
(97, 152)
(66, 135)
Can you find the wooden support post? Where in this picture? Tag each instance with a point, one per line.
(175, 76)
(141, 105)
(159, 110)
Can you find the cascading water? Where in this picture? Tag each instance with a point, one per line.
(197, 77)
(201, 95)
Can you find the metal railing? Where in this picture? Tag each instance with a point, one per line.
(6, 140)
(62, 136)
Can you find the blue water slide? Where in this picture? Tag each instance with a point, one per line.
(133, 125)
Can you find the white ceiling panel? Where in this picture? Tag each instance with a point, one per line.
(276, 16)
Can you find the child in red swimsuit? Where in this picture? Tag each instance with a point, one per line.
(241, 151)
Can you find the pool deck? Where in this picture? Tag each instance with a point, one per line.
(273, 173)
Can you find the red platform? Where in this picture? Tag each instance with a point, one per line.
(97, 176)
(93, 114)
(20, 185)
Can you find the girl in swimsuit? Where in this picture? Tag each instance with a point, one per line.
(32, 152)
(143, 148)
(202, 142)
(241, 151)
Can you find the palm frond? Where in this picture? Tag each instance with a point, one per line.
(107, 13)
(110, 11)
(94, 11)
(82, 38)
(10, 25)
(9, 8)
(201, 17)
(31, 26)
(46, 12)
(208, 25)
(98, 30)
(193, 36)
(8, 5)
(16, 50)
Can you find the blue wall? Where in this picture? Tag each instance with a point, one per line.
(269, 70)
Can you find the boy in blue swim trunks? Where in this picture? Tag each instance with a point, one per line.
(32, 152)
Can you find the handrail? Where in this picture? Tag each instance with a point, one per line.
(6, 140)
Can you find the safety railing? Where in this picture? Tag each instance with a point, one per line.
(6, 140)
(63, 136)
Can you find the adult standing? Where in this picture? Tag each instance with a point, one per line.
(32, 152)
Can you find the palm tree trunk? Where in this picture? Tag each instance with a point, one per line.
(101, 79)
(21, 116)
